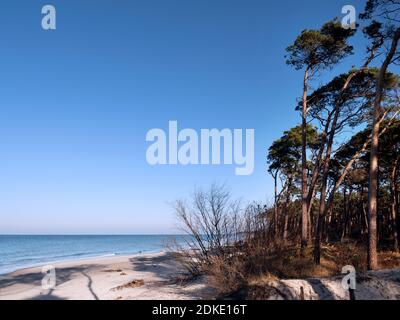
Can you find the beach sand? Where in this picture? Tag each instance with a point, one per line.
(154, 277)
(138, 277)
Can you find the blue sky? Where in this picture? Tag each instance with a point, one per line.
(76, 103)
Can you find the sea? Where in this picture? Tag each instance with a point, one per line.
(25, 251)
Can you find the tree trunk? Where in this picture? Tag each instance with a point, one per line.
(324, 185)
(275, 176)
(304, 176)
(364, 212)
(372, 196)
(286, 222)
(345, 213)
(318, 235)
(373, 172)
(394, 208)
(396, 190)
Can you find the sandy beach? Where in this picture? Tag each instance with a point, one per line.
(138, 277)
(155, 277)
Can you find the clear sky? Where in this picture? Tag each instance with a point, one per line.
(76, 103)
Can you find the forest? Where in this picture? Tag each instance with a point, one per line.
(345, 188)
(336, 174)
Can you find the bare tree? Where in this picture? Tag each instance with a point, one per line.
(213, 223)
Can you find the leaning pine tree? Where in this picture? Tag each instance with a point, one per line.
(312, 51)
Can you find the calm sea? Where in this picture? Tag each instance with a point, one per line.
(17, 252)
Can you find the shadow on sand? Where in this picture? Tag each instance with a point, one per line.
(62, 275)
(170, 272)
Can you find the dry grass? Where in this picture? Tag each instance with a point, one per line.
(228, 274)
(257, 268)
(131, 284)
(288, 263)
(389, 260)
(112, 270)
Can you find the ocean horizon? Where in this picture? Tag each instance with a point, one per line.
(25, 251)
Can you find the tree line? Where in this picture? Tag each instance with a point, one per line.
(336, 174)
(330, 186)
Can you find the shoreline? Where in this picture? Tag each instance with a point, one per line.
(155, 276)
(77, 259)
(142, 276)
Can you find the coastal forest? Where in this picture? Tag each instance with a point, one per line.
(336, 174)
